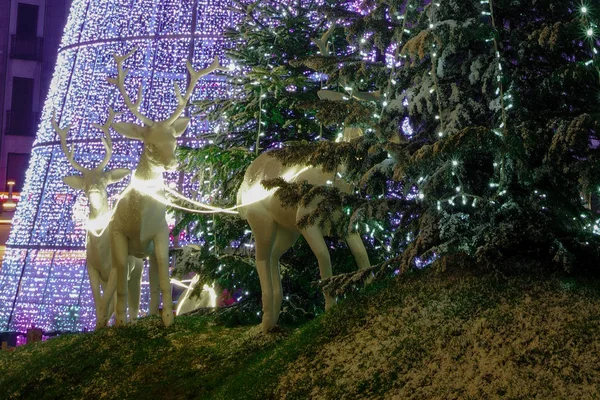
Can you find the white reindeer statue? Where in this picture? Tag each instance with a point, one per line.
(275, 227)
(94, 182)
(139, 227)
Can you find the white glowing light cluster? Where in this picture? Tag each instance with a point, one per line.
(592, 32)
(43, 281)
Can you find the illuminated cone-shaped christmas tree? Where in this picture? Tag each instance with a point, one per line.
(43, 280)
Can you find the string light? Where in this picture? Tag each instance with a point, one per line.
(588, 25)
(154, 189)
(503, 98)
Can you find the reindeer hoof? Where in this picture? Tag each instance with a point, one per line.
(120, 320)
(167, 318)
(101, 323)
(268, 324)
(329, 302)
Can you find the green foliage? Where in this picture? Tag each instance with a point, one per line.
(273, 100)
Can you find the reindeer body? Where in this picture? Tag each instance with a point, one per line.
(132, 224)
(267, 167)
(139, 226)
(275, 227)
(131, 215)
(140, 229)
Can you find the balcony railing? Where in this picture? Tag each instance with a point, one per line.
(26, 48)
(21, 124)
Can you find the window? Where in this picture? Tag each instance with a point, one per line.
(21, 121)
(16, 167)
(27, 20)
(25, 45)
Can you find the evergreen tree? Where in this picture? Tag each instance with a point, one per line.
(503, 98)
(496, 106)
(480, 119)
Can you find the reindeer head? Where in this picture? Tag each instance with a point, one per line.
(159, 137)
(160, 140)
(92, 181)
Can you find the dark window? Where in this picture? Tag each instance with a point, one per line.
(15, 170)
(25, 45)
(27, 19)
(21, 120)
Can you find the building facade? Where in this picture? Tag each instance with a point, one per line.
(30, 32)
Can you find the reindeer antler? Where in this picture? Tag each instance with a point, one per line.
(322, 43)
(119, 82)
(194, 77)
(106, 139)
(361, 96)
(62, 133)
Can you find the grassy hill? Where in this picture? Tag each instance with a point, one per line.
(424, 336)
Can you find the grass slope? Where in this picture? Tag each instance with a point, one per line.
(423, 336)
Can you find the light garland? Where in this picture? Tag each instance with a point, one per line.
(43, 280)
(504, 98)
(394, 63)
(184, 298)
(154, 189)
(434, 60)
(500, 91)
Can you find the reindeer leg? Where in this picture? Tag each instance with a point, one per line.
(283, 241)
(95, 284)
(264, 229)
(357, 247)
(119, 250)
(317, 244)
(135, 266)
(161, 260)
(106, 300)
(112, 305)
(154, 288)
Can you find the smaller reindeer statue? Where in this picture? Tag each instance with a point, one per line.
(275, 227)
(93, 182)
(139, 226)
(192, 299)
